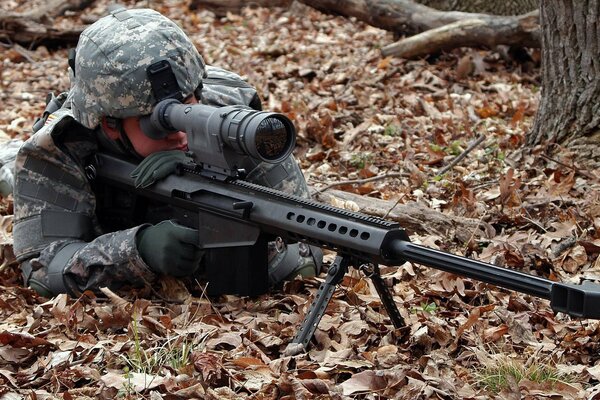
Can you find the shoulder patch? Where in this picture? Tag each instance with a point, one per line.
(51, 118)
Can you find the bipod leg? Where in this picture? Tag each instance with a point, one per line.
(372, 271)
(336, 272)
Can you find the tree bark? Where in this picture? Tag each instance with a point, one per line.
(34, 27)
(222, 7)
(496, 7)
(518, 31)
(31, 34)
(569, 109)
(437, 30)
(401, 16)
(442, 30)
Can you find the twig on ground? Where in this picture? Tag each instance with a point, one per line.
(471, 147)
(394, 206)
(580, 171)
(24, 52)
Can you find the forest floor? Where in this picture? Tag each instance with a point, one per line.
(359, 116)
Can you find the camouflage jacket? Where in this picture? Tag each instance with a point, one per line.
(55, 205)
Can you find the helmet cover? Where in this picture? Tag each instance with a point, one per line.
(111, 59)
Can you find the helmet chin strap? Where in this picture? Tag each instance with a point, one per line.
(121, 143)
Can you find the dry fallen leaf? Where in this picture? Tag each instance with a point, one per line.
(574, 259)
(364, 382)
(134, 381)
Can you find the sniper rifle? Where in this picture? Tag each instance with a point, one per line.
(229, 212)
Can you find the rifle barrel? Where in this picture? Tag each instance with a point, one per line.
(481, 271)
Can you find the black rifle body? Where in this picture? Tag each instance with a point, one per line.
(238, 213)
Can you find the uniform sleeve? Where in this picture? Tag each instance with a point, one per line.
(110, 260)
(55, 226)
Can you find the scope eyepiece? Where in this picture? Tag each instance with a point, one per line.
(156, 125)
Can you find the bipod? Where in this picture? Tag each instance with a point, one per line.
(335, 274)
(385, 294)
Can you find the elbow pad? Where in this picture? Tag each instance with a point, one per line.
(55, 279)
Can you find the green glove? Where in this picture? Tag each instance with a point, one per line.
(170, 249)
(5, 188)
(157, 166)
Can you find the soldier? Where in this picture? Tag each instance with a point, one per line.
(70, 233)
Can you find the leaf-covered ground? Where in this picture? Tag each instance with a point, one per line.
(359, 116)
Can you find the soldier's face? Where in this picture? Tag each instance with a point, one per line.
(145, 146)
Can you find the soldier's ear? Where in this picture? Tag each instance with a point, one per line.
(109, 126)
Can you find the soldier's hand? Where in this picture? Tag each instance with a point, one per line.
(157, 166)
(170, 249)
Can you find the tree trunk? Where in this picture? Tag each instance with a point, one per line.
(496, 7)
(34, 27)
(520, 30)
(221, 8)
(569, 110)
(442, 30)
(437, 30)
(402, 16)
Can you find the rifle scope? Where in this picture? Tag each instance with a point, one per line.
(266, 136)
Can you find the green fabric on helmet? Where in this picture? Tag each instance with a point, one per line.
(111, 60)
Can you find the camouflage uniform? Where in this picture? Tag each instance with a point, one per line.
(55, 207)
(58, 235)
(8, 152)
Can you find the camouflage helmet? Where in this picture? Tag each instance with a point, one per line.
(112, 55)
